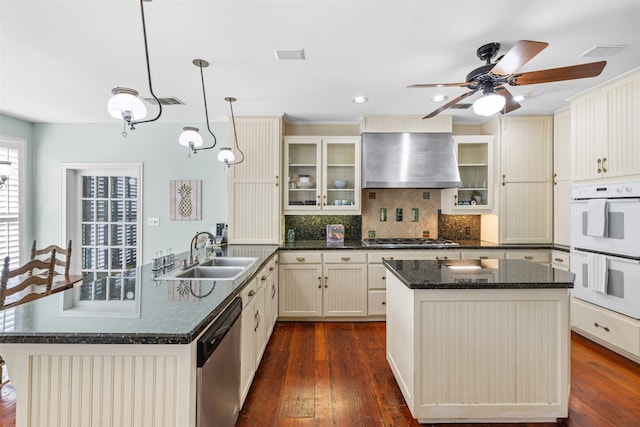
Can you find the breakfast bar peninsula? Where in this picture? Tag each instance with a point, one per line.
(480, 340)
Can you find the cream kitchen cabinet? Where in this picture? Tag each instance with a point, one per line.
(561, 260)
(312, 165)
(254, 184)
(253, 334)
(311, 287)
(269, 276)
(377, 273)
(605, 133)
(562, 178)
(475, 163)
(526, 191)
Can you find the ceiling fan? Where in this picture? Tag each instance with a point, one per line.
(493, 78)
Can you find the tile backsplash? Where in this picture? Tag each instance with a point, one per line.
(313, 227)
(400, 212)
(459, 227)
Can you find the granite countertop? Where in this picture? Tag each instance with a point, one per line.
(462, 244)
(478, 274)
(153, 311)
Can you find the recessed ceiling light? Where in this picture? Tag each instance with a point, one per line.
(295, 54)
(439, 98)
(359, 99)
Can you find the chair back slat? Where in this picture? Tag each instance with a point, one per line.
(64, 262)
(32, 280)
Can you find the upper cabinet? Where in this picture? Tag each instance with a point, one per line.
(605, 137)
(562, 178)
(322, 174)
(475, 163)
(526, 153)
(254, 184)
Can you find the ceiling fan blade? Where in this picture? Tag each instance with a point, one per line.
(510, 104)
(449, 104)
(573, 72)
(465, 84)
(521, 53)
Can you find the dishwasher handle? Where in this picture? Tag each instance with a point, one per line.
(214, 335)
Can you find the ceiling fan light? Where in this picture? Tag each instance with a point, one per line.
(125, 104)
(190, 137)
(226, 155)
(488, 104)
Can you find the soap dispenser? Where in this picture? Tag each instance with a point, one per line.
(208, 249)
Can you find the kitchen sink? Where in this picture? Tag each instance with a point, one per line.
(200, 272)
(229, 261)
(222, 268)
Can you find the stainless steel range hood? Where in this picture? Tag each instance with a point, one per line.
(409, 160)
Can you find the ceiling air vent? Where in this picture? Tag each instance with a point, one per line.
(164, 101)
(602, 51)
(461, 106)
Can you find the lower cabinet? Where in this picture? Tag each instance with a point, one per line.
(613, 330)
(259, 313)
(311, 286)
(561, 260)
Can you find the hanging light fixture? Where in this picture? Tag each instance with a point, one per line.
(490, 102)
(125, 104)
(7, 169)
(190, 136)
(226, 155)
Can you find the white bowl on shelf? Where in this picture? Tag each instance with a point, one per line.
(340, 184)
(306, 184)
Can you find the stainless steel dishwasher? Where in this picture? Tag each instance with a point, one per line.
(218, 362)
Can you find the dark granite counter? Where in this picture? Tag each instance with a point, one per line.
(152, 312)
(478, 274)
(462, 244)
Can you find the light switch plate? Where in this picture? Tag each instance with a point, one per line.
(153, 222)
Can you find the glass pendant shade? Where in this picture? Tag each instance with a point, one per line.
(190, 137)
(226, 155)
(125, 104)
(488, 104)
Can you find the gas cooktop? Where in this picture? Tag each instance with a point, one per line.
(401, 242)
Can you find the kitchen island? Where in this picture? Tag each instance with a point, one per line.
(480, 340)
(80, 358)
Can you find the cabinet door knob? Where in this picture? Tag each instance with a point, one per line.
(384, 278)
(263, 278)
(599, 163)
(384, 303)
(252, 293)
(319, 282)
(504, 178)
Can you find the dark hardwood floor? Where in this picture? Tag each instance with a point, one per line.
(336, 374)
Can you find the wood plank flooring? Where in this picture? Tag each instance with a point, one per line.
(336, 374)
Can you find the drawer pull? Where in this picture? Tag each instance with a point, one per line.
(345, 258)
(263, 278)
(484, 257)
(325, 282)
(252, 293)
(600, 326)
(528, 257)
(273, 289)
(271, 268)
(300, 259)
(558, 260)
(319, 282)
(444, 257)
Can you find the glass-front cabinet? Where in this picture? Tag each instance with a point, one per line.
(475, 163)
(322, 174)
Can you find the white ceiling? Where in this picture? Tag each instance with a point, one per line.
(59, 59)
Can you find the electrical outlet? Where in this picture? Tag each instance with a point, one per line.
(153, 222)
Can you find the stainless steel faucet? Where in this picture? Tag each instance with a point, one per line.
(193, 245)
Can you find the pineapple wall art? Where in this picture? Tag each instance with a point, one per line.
(186, 200)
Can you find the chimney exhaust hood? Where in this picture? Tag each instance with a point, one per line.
(409, 160)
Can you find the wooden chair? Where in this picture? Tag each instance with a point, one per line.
(31, 281)
(45, 255)
(2, 364)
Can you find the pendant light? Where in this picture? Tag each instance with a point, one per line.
(490, 102)
(190, 136)
(125, 104)
(226, 155)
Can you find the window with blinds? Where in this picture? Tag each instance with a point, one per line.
(10, 217)
(109, 222)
